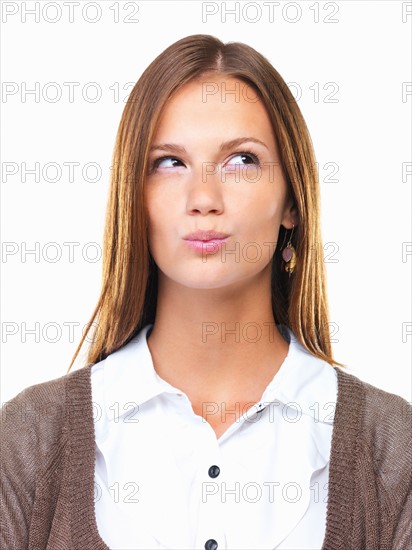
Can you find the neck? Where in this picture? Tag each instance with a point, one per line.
(220, 342)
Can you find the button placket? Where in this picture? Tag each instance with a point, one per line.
(210, 533)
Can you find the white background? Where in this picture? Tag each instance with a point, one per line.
(365, 212)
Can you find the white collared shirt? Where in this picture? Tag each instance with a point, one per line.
(154, 485)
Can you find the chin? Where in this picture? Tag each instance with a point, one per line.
(203, 282)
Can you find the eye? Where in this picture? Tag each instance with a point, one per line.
(251, 158)
(158, 161)
(247, 156)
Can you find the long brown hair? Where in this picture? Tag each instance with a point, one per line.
(128, 295)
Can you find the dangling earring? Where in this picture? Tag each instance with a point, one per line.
(289, 255)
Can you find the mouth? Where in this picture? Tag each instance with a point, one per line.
(206, 235)
(206, 246)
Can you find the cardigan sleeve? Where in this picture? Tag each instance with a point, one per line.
(402, 539)
(31, 429)
(403, 532)
(389, 421)
(18, 468)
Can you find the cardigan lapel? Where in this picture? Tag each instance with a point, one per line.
(84, 529)
(344, 450)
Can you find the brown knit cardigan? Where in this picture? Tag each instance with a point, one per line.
(48, 457)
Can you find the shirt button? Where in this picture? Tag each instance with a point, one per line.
(211, 544)
(214, 471)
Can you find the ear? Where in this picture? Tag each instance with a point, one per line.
(290, 214)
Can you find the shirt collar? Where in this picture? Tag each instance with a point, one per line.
(129, 376)
(303, 382)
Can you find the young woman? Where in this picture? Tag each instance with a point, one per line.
(211, 413)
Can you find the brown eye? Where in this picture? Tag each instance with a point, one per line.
(251, 158)
(157, 162)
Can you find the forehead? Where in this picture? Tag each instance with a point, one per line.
(218, 88)
(215, 102)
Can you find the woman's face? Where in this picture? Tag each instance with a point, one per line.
(206, 183)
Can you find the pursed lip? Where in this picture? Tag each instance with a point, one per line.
(205, 235)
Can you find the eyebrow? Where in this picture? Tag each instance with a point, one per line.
(175, 148)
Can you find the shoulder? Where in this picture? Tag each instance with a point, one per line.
(382, 411)
(35, 431)
(40, 410)
(36, 426)
(387, 420)
(381, 423)
(46, 394)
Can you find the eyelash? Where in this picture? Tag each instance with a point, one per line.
(255, 157)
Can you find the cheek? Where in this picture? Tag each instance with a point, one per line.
(163, 223)
(157, 210)
(261, 213)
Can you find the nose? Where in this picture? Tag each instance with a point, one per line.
(204, 191)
